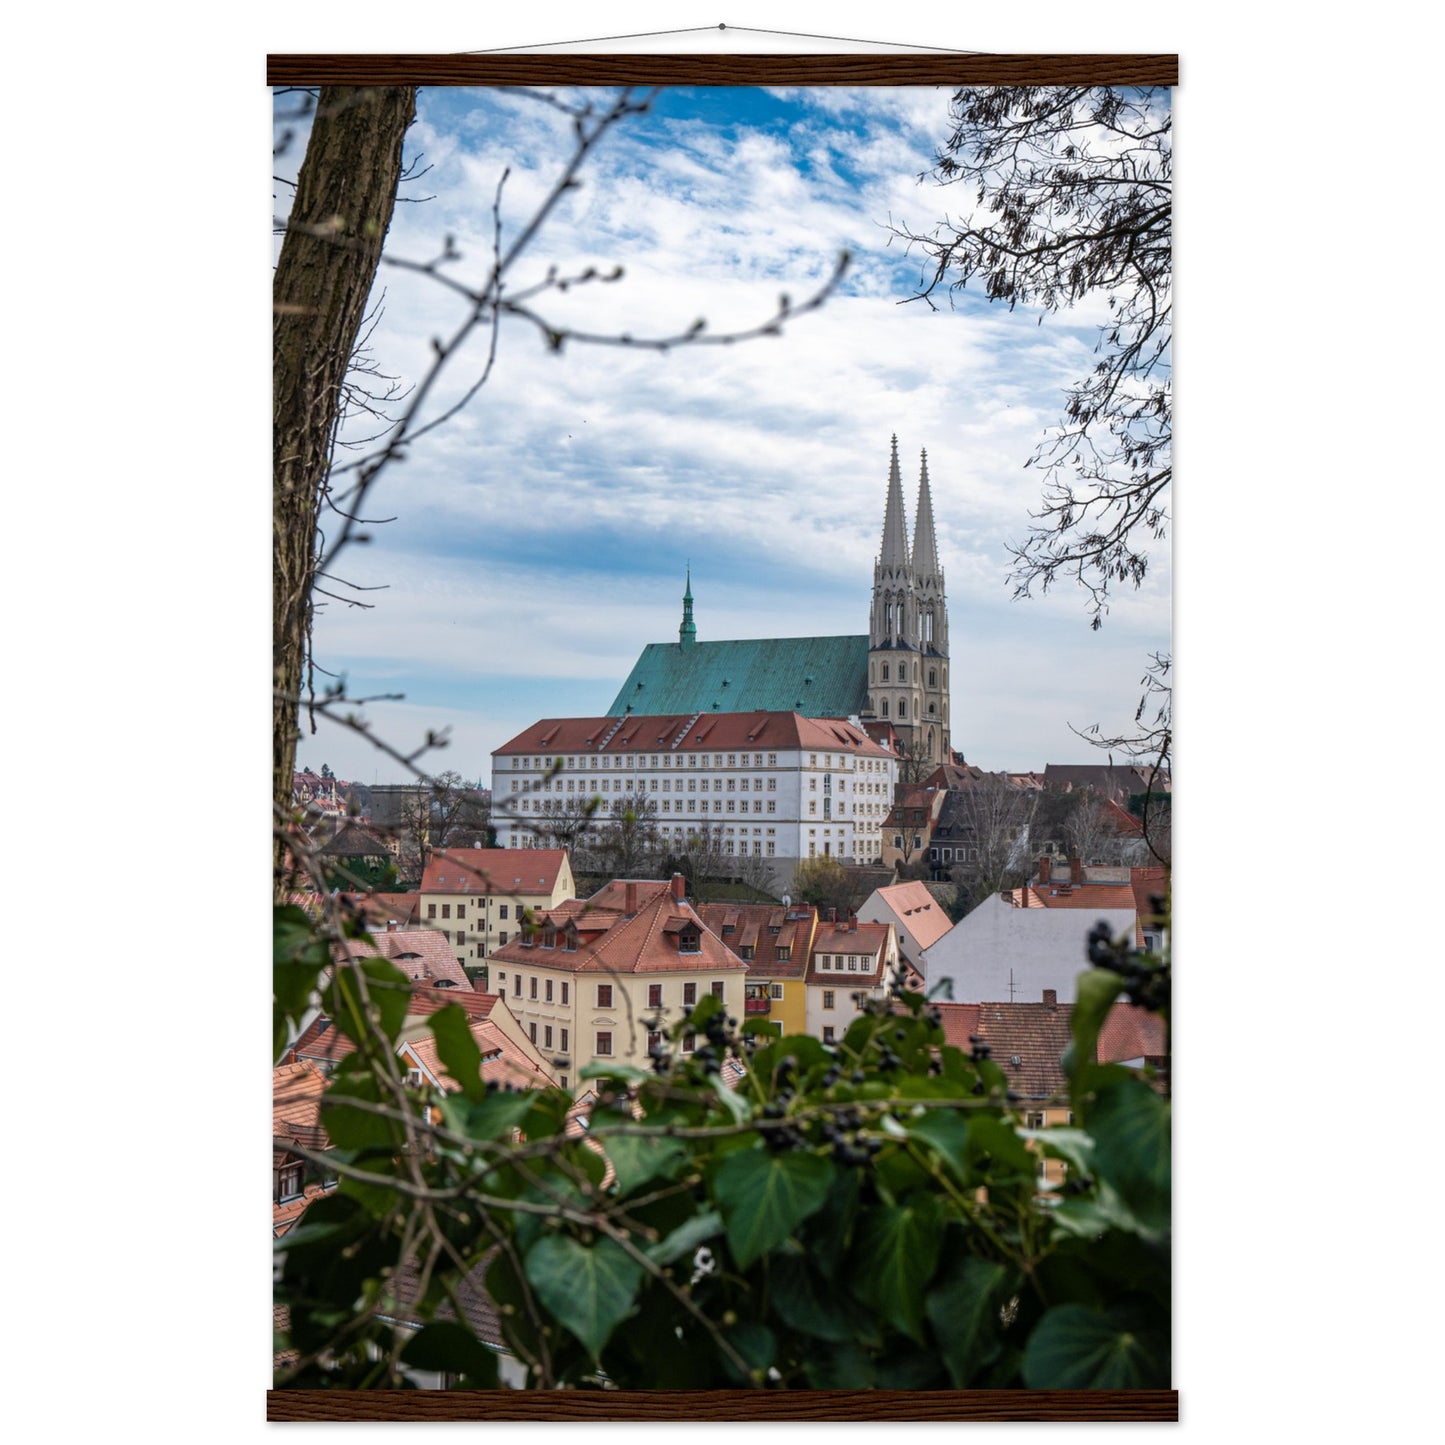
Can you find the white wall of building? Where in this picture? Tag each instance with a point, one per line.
(999, 953)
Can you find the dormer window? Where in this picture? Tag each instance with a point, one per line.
(549, 936)
(689, 939)
(289, 1182)
(784, 954)
(569, 938)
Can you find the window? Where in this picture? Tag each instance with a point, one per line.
(604, 1045)
(1034, 1121)
(604, 995)
(290, 1182)
(654, 995)
(654, 1040)
(504, 910)
(775, 990)
(431, 910)
(827, 1033)
(717, 988)
(517, 986)
(532, 992)
(564, 1041)
(446, 910)
(827, 998)
(547, 1037)
(503, 937)
(461, 910)
(565, 990)
(689, 994)
(689, 1043)
(549, 991)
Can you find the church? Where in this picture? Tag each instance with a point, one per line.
(894, 677)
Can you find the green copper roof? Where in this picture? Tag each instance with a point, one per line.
(814, 676)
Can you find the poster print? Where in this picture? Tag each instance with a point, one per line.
(766, 369)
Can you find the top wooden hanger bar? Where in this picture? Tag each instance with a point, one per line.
(555, 68)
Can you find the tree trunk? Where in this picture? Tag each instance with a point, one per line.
(343, 204)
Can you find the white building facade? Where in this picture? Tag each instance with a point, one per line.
(769, 785)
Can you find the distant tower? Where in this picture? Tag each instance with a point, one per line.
(908, 630)
(687, 633)
(932, 627)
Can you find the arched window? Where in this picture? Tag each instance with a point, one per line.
(902, 707)
(885, 707)
(885, 672)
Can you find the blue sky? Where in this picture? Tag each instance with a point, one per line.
(541, 536)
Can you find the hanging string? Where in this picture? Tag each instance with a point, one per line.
(703, 29)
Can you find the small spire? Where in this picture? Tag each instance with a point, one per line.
(687, 633)
(894, 551)
(925, 549)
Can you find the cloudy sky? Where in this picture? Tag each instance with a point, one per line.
(541, 537)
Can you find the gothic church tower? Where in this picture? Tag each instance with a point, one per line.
(908, 628)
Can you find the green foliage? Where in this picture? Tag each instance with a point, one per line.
(869, 1214)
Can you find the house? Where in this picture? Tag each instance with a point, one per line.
(1027, 1041)
(775, 942)
(477, 897)
(604, 978)
(917, 916)
(895, 677)
(508, 1055)
(776, 786)
(1008, 948)
(296, 1178)
(908, 828)
(852, 963)
(422, 954)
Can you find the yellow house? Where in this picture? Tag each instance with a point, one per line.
(603, 980)
(479, 896)
(774, 941)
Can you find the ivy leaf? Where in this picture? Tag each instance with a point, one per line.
(388, 990)
(356, 1128)
(588, 1288)
(686, 1239)
(895, 1255)
(806, 1303)
(764, 1197)
(496, 1115)
(635, 1159)
(453, 1349)
(1077, 1348)
(1130, 1125)
(947, 1135)
(963, 1308)
(1097, 990)
(457, 1049)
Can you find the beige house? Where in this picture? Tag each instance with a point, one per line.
(602, 980)
(478, 896)
(852, 963)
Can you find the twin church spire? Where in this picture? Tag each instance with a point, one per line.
(908, 625)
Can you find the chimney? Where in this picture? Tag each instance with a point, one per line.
(852, 922)
(391, 925)
(1046, 869)
(631, 899)
(679, 887)
(832, 915)
(1076, 871)
(1051, 998)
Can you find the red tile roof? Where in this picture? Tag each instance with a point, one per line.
(1131, 1033)
(866, 938)
(750, 925)
(422, 954)
(493, 870)
(685, 732)
(644, 943)
(1084, 895)
(296, 1091)
(919, 910)
(1036, 1034)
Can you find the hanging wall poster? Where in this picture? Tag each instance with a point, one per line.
(721, 734)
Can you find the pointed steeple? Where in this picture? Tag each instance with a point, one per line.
(894, 552)
(687, 633)
(925, 550)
